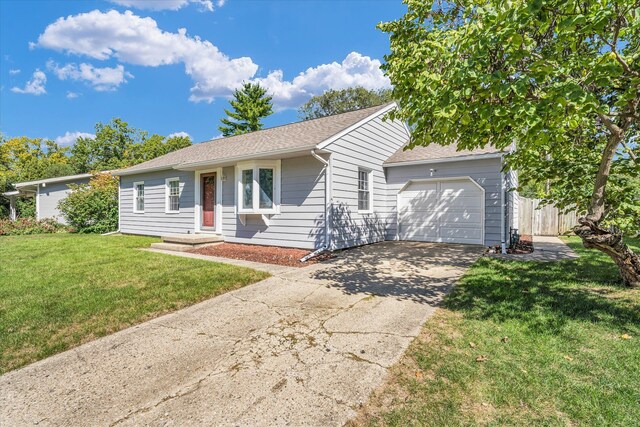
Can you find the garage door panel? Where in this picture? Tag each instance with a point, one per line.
(413, 232)
(445, 211)
(420, 205)
(466, 217)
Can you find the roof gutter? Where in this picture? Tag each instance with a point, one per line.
(445, 160)
(137, 171)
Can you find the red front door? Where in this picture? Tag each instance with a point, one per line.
(208, 200)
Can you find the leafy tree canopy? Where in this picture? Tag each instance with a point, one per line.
(341, 101)
(559, 78)
(116, 145)
(250, 105)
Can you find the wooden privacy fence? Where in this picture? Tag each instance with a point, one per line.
(544, 220)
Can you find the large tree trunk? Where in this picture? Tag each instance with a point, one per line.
(595, 236)
(610, 242)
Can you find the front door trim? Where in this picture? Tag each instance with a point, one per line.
(197, 202)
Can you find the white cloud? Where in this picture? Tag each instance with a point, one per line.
(138, 41)
(35, 86)
(205, 5)
(14, 72)
(69, 138)
(102, 79)
(354, 70)
(72, 95)
(181, 133)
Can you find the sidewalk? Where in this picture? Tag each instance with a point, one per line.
(545, 248)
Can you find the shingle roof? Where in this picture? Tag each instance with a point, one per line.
(435, 152)
(296, 136)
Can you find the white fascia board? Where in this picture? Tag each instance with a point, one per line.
(139, 171)
(353, 127)
(446, 160)
(236, 159)
(53, 180)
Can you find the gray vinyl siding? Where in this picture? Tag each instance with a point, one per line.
(155, 221)
(300, 223)
(485, 172)
(51, 195)
(365, 147)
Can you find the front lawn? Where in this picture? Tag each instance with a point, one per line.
(58, 291)
(522, 343)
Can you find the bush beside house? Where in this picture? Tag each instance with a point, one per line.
(92, 207)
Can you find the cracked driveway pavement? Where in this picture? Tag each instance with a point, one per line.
(306, 346)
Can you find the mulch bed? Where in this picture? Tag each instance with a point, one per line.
(524, 246)
(267, 254)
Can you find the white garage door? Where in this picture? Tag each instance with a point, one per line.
(441, 211)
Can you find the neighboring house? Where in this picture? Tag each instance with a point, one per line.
(47, 192)
(277, 187)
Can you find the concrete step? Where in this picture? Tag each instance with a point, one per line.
(180, 247)
(192, 239)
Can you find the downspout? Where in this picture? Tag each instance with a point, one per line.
(37, 202)
(503, 244)
(326, 169)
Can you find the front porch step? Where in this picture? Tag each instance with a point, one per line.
(192, 239)
(181, 247)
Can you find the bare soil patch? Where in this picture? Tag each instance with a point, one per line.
(266, 254)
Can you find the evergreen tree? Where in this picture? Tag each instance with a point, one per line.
(251, 104)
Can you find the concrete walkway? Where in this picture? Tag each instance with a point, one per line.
(545, 248)
(304, 347)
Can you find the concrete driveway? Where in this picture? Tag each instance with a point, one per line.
(306, 346)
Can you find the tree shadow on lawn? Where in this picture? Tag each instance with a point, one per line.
(545, 296)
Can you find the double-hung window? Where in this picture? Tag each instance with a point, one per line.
(172, 195)
(138, 197)
(365, 195)
(258, 187)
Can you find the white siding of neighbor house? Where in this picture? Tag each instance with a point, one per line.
(51, 195)
(299, 224)
(154, 221)
(367, 147)
(485, 172)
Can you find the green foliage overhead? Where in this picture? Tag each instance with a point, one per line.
(341, 101)
(92, 207)
(558, 78)
(119, 145)
(250, 105)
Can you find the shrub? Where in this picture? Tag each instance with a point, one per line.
(23, 226)
(26, 207)
(92, 207)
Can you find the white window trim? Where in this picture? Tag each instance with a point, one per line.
(166, 195)
(255, 165)
(370, 178)
(135, 197)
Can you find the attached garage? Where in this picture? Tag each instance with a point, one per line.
(442, 210)
(442, 194)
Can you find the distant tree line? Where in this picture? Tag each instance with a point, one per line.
(116, 145)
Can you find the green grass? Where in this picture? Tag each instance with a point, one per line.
(564, 361)
(58, 291)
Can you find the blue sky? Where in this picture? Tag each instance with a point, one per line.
(169, 66)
